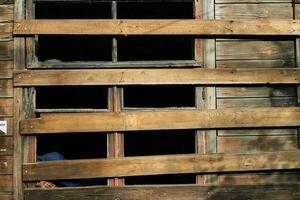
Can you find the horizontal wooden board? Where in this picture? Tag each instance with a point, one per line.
(162, 120)
(258, 178)
(6, 73)
(249, 144)
(154, 165)
(254, 11)
(266, 91)
(156, 76)
(6, 13)
(257, 102)
(254, 1)
(282, 63)
(6, 183)
(6, 88)
(6, 50)
(6, 145)
(6, 196)
(6, 31)
(6, 65)
(158, 27)
(163, 192)
(6, 106)
(9, 122)
(256, 132)
(6, 164)
(254, 49)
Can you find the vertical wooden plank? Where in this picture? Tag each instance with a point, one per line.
(19, 64)
(115, 140)
(297, 16)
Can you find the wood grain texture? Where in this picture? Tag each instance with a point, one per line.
(6, 88)
(154, 165)
(162, 120)
(282, 63)
(244, 144)
(6, 145)
(158, 27)
(162, 192)
(156, 76)
(255, 50)
(6, 107)
(6, 164)
(6, 50)
(6, 13)
(6, 183)
(257, 132)
(6, 31)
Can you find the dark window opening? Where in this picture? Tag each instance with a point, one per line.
(71, 97)
(159, 143)
(73, 145)
(143, 48)
(159, 96)
(162, 179)
(66, 48)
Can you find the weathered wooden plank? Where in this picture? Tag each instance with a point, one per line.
(158, 27)
(6, 50)
(154, 165)
(6, 145)
(267, 91)
(6, 73)
(257, 132)
(6, 88)
(5, 31)
(244, 144)
(6, 106)
(6, 13)
(156, 76)
(259, 178)
(254, 11)
(6, 183)
(257, 102)
(6, 65)
(160, 120)
(255, 49)
(162, 192)
(6, 196)
(282, 63)
(254, 1)
(6, 164)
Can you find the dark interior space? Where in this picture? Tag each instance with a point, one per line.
(162, 179)
(142, 48)
(71, 97)
(73, 145)
(159, 142)
(69, 47)
(159, 96)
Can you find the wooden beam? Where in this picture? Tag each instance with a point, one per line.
(157, 27)
(157, 165)
(156, 77)
(162, 120)
(177, 192)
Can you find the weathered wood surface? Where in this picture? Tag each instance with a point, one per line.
(156, 76)
(6, 50)
(259, 10)
(162, 120)
(259, 178)
(6, 87)
(6, 145)
(6, 196)
(6, 164)
(6, 183)
(6, 108)
(266, 63)
(158, 27)
(262, 92)
(6, 13)
(163, 192)
(257, 102)
(244, 144)
(257, 132)
(154, 165)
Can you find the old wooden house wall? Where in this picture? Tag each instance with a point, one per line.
(229, 53)
(6, 99)
(267, 53)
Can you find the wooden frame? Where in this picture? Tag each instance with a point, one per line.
(162, 120)
(178, 192)
(157, 27)
(155, 165)
(156, 76)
